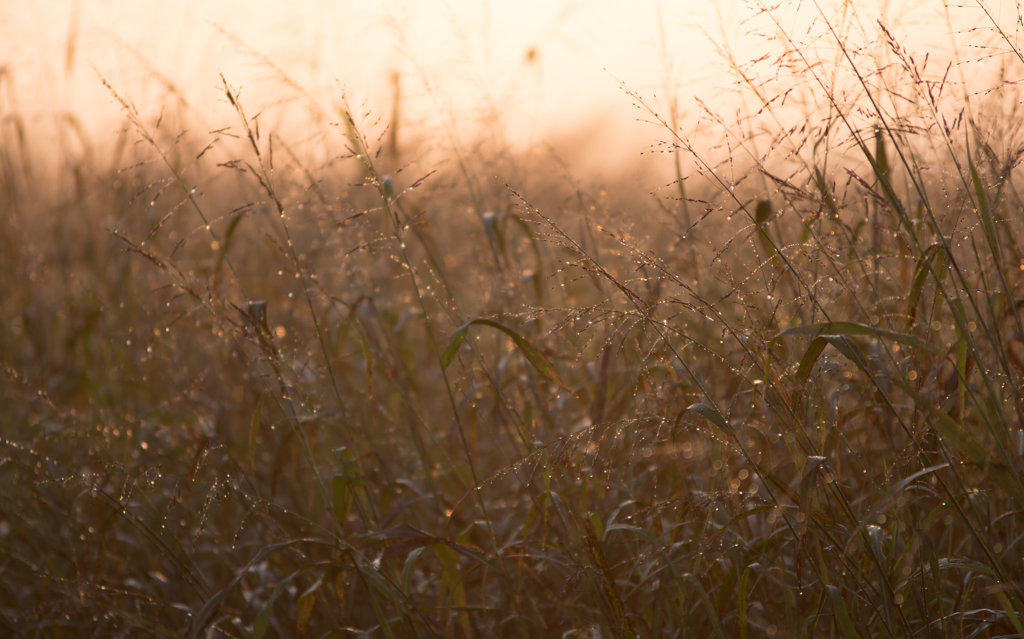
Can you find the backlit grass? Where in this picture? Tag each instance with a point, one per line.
(266, 387)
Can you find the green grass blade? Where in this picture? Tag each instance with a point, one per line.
(529, 351)
(453, 345)
(920, 276)
(853, 328)
(303, 612)
(713, 617)
(741, 605)
(714, 416)
(885, 499)
(807, 362)
(214, 603)
(842, 616)
(825, 191)
(1011, 612)
(985, 213)
(342, 498)
(259, 626)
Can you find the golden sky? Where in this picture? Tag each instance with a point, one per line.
(533, 69)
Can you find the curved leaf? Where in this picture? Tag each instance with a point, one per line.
(920, 275)
(532, 354)
(214, 603)
(814, 349)
(453, 345)
(844, 345)
(838, 334)
(259, 627)
(984, 211)
(889, 494)
(713, 416)
(716, 623)
(846, 329)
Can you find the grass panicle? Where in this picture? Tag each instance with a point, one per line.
(267, 387)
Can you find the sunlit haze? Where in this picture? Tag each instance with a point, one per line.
(530, 72)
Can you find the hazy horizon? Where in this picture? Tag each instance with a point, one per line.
(535, 74)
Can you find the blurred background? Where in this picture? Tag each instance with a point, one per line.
(531, 70)
(206, 313)
(524, 73)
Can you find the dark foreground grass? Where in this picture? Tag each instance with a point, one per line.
(253, 389)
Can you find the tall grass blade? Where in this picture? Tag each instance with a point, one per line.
(532, 354)
(842, 616)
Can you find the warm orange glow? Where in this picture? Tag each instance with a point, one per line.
(526, 72)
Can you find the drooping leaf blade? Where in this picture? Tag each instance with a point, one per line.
(713, 416)
(853, 328)
(529, 351)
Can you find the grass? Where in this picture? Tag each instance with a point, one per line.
(263, 388)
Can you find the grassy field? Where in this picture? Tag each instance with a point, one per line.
(266, 387)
